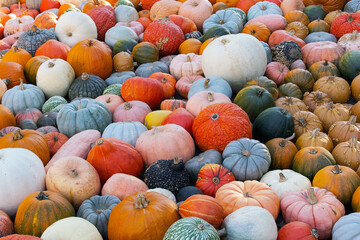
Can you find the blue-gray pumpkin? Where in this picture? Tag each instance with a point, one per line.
(126, 131)
(352, 6)
(97, 210)
(119, 77)
(84, 114)
(23, 96)
(247, 159)
(320, 37)
(229, 19)
(215, 84)
(194, 165)
(347, 227)
(146, 69)
(268, 51)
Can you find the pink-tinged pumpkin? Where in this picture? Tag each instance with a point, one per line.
(165, 35)
(291, 5)
(219, 124)
(20, 237)
(122, 185)
(6, 225)
(202, 99)
(196, 10)
(184, 65)
(276, 71)
(180, 117)
(315, 206)
(165, 142)
(131, 111)
(280, 36)
(272, 21)
(53, 49)
(28, 113)
(183, 84)
(111, 101)
(111, 155)
(104, 18)
(147, 90)
(319, 51)
(134, 25)
(74, 178)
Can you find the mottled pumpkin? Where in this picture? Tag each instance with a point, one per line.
(282, 152)
(305, 121)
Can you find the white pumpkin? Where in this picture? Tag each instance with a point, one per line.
(21, 173)
(125, 13)
(184, 65)
(119, 32)
(164, 192)
(350, 41)
(236, 58)
(74, 27)
(54, 77)
(250, 222)
(19, 24)
(71, 228)
(285, 181)
(75, 178)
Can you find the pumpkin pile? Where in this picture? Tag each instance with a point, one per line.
(188, 119)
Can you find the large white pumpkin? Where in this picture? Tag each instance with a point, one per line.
(236, 58)
(126, 14)
(21, 173)
(119, 32)
(285, 181)
(250, 222)
(74, 27)
(54, 77)
(71, 228)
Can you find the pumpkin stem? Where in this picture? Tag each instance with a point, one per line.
(79, 106)
(312, 197)
(127, 106)
(55, 138)
(352, 120)
(260, 92)
(51, 64)
(350, 19)
(108, 100)
(315, 132)
(302, 122)
(99, 141)
(353, 142)
(99, 211)
(34, 28)
(331, 78)
(330, 105)
(354, 35)
(188, 58)
(163, 80)
(289, 100)
(74, 173)
(313, 151)
(42, 196)
(210, 97)
(282, 177)
(90, 43)
(21, 87)
(19, 4)
(336, 170)
(216, 180)
(247, 194)
(141, 201)
(221, 21)
(245, 153)
(281, 69)
(201, 226)
(206, 83)
(6, 81)
(326, 62)
(214, 116)
(263, 7)
(282, 143)
(17, 135)
(252, 32)
(177, 160)
(84, 76)
(156, 130)
(16, 49)
(314, 233)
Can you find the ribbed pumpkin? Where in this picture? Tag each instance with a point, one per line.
(236, 194)
(172, 104)
(305, 121)
(167, 82)
(340, 180)
(151, 213)
(337, 88)
(282, 152)
(355, 202)
(302, 78)
(12, 71)
(145, 52)
(290, 90)
(7, 118)
(32, 67)
(53, 49)
(202, 206)
(28, 113)
(29, 139)
(314, 138)
(17, 55)
(297, 230)
(87, 85)
(342, 131)
(213, 176)
(39, 210)
(323, 68)
(330, 113)
(258, 30)
(318, 51)
(345, 23)
(291, 104)
(211, 126)
(309, 160)
(91, 56)
(348, 153)
(315, 98)
(6, 225)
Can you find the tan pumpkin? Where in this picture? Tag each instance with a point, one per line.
(348, 153)
(297, 16)
(3, 86)
(314, 138)
(355, 88)
(305, 121)
(355, 110)
(315, 99)
(330, 113)
(123, 61)
(164, 8)
(342, 131)
(337, 88)
(330, 17)
(318, 25)
(299, 29)
(291, 104)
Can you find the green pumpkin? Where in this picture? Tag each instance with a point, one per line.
(87, 85)
(253, 100)
(191, 228)
(290, 90)
(301, 77)
(53, 103)
(81, 115)
(350, 65)
(124, 2)
(27, 123)
(145, 52)
(215, 31)
(113, 89)
(314, 12)
(264, 82)
(272, 123)
(47, 119)
(124, 45)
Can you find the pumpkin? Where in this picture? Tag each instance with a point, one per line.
(280, 36)
(7, 117)
(104, 23)
(186, 65)
(181, 117)
(343, 227)
(167, 82)
(276, 71)
(355, 90)
(30, 113)
(236, 194)
(323, 68)
(12, 71)
(330, 113)
(309, 160)
(230, 116)
(286, 52)
(228, 19)
(263, 8)
(355, 200)
(164, 8)
(164, 192)
(151, 144)
(345, 23)
(6, 130)
(202, 99)
(126, 131)
(20, 237)
(196, 10)
(324, 50)
(185, 192)
(254, 65)
(94, 4)
(111, 101)
(342, 131)
(318, 25)
(258, 30)
(216, 84)
(46, 20)
(296, 16)
(318, 207)
(314, 138)
(53, 49)
(337, 88)
(183, 85)
(91, 56)
(39, 210)
(131, 111)
(90, 86)
(55, 141)
(282, 152)
(348, 65)
(134, 207)
(6, 225)
(86, 108)
(72, 228)
(186, 24)
(291, 104)
(297, 230)
(305, 121)
(347, 153)
(145, 52)
(172, 104)
(349, 41)
(17, 24)
(340, 180)
(194, 165)
(32, 67)
(315, 98)
(119, 32)
(264, 82)
(300, 77)
(17, 55)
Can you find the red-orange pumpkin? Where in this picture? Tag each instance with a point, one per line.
(49, 4)
(46, 20)
(12, 71)
(297, 231)
(167, 82)
(345, 23)
(55, 141)
(53, 49)
(180, 117)
(186, 24)
(280, 36)
(104, 18)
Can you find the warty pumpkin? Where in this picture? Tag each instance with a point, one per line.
(315, 98)
(314, 138)
(348, 153)
(330, 113)
(337, 88)
(342, 131)
(345, 23)
(305, 121)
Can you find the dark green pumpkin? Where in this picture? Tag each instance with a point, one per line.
(27, 123)
(186, 192)
(273, 123)
(301, 77)
(290, 90)
(169, 174)
(194, 34)
(264, 82)
(53, 103)
(215, 31)
(124, 45)
(253, 100)
(87, 85)
(286, 53)
(47, 119)
(314, 12)
(97, 210)
(350, 65)
(145, 52)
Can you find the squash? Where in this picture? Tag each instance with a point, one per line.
(146, 69)
(28, 113)
(17, 55)
(276, 71)
(297, 230)
(350, 41)
(337, 88)
(32, 67)
(202, 99)
(266, 83)
(164, 8)
(6, 225)
(229, 19)
(87, 85)
(282, 152)
(196, 10)
(286, 52)
(331, 113)
(314, 138)
(258, 30)
(355, 200)
(39, 210)
(118, 32)
(55, 141)
(318, 51)
(131, 111)
(181, 117)
(342, 131)
(323, 68)
(348, 65)
(183, 85)
(315, 98)
(7, 117)
(104, 19)
(126, 131)
(302, 78)
(344, 227)
(291, 104)
(347, 153)
(216, 84)
(305, 121)
(186, 65)
(280, 36)
(126, 14)
(164, 192)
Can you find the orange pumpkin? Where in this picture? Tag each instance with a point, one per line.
(53, 49)
(236, 194)
(348, 153)
(337, 88)
(95, 3)
(144, 13)
(219, 6)
(65, 7)
(297, 16)
(298, 29)
(245, 5)
(151, 214)
(342, 131)
(323, 68)
(190, 45)
(46, 20)
(172, 104)
(204, 45)
(292, 104)
(327, 5)
(355, 202)
(145, 21)
(164, 8)
(282, 152)
(28, 139)
(49, 4)
(55, 141)
(202, 206)
(13, 71)
(7, 118)
(17, 55)
(258, 30)
(167, 82)
(230, 3)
